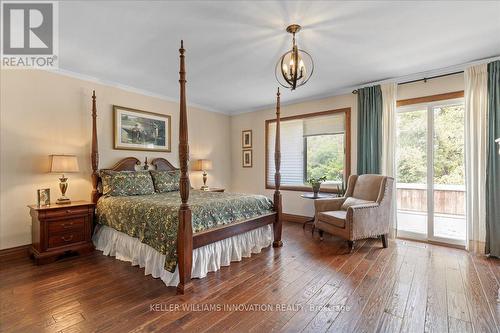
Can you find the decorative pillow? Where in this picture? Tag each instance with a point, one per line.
(353, 202)
(126, 183)
(166, 181)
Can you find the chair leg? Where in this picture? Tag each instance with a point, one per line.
(350, 244)
(320, 234)
(384, 240)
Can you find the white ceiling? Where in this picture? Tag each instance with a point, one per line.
(232, 47)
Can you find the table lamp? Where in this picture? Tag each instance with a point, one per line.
(203, 165)
(63, 164)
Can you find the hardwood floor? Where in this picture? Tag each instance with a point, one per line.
(320, 287)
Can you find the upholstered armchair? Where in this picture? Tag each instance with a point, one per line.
(363, 212)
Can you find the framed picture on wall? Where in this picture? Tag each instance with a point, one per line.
(246, 139)
(43, 197)
(141, 130)
(247, 158)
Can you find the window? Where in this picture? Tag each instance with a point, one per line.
(312, 145)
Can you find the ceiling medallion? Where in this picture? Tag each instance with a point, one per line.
(295, 67)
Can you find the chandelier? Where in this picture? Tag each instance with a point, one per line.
(295, 67)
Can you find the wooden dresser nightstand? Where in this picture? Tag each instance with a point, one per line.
(216, 189)
(61, 229)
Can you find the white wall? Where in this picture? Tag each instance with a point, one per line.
(252, 180)
(45, 113)
(432, 87)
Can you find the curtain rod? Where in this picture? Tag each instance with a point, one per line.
(355, 91)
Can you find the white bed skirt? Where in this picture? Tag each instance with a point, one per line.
(208, 258)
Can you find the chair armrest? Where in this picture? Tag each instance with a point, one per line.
(364, 206)
(325, 205)
(368, 220)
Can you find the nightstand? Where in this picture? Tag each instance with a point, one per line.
(61, 229)
(216, 189)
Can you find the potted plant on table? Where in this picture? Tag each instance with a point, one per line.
(316, 184)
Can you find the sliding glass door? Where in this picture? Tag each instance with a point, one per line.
(411, 178)
(430, 172)
(448, 173)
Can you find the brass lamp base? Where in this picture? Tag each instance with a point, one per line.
(63, 201)
(205, 186)
(63, 186)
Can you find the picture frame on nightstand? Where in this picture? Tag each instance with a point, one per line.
(43, 197)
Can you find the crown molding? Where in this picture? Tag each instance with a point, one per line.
(349, 89)
(128, 88)
(430, 73)
(336, 92)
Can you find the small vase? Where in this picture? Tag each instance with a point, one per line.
(315, 188)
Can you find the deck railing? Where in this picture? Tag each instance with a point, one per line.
(448, 199)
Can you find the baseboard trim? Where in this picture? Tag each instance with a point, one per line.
(296, 218)
(14, 252)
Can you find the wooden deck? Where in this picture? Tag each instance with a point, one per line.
(409, 287)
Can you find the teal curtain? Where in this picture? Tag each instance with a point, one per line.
(369, 129)
(493, 163)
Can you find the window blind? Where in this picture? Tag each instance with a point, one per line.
(324, 125)
(292, 152)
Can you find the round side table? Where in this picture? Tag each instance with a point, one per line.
(314, 197)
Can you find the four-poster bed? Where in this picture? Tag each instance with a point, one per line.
(188, 241)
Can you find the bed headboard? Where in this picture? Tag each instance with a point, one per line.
(130, 164)
(126, 164)
(162, 164)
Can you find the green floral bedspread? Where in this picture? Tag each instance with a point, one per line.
(153, 219)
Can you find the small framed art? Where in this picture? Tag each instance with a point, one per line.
(43, 197)
(246, 139)
(247, 158)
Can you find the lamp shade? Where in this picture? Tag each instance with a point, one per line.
(202, 165)
(63, 163)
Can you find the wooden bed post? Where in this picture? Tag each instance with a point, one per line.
(277, 225)
(185, 228)
(94, 156)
